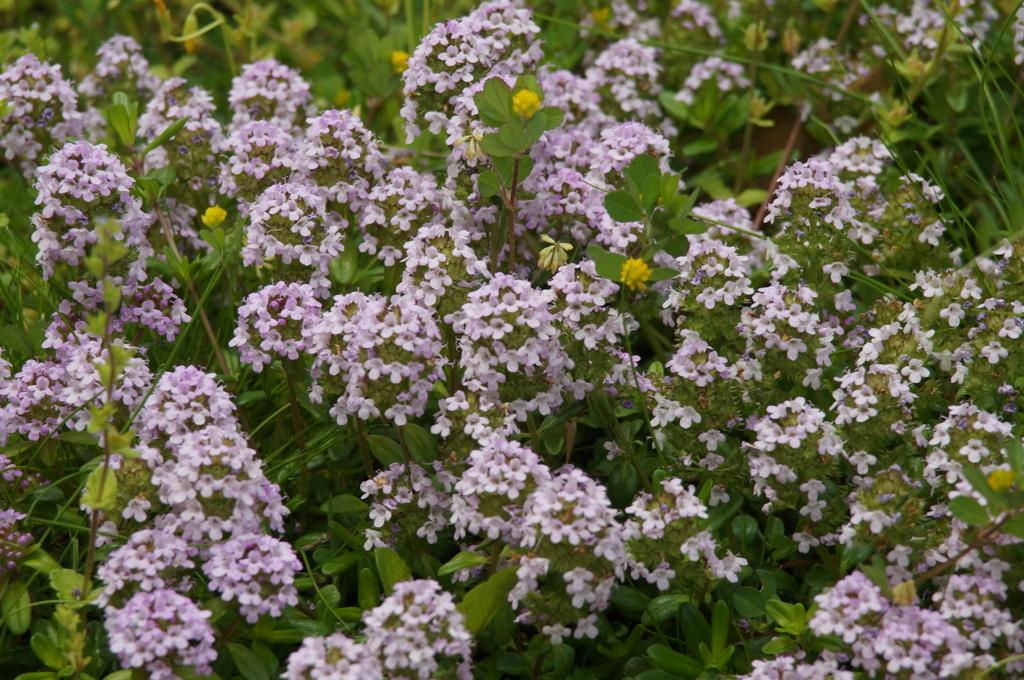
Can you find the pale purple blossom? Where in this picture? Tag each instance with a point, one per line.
(382, 357)
(159, 630)
(267, 90)
(121, 67)
(43, 111)
(277, 321)
(257, 571)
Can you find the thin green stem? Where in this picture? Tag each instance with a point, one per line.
(641, 397)
(748, 129)
(996, 666)
(410, 30)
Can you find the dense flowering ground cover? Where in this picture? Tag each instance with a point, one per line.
(653, 340)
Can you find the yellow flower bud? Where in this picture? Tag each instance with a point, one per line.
(190, 27)
(791, 40)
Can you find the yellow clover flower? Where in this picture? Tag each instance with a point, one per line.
(635, 274)
(525, 103)
(399, 61)
(214, 216)
(1001, 480)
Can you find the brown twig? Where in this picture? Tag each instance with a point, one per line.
(790, 143)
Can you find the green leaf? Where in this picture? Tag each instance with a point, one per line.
(41, 561)
(217, 238)
(494, 146)
(27, 343)
(751, 197)
(464, 560)
(720, 515)
(369, 589)
(684, 225)
(346, 266)
(513, 135)
(16, 607)
(266, 655)
(695, 627)
(525, 168)
(765, 165)
(601, 408)
(661, 274)
(749, 602)
(623, 207)
(1015, 452)
(68, 584)
(391, 567)
(494, 103)
(639, 171)
(247, 663)
(345, 503)
(854, 555)
(346, 537)
(651, 192)
(562, 657)
(125, 674)
(731, 115)
(123, 117)
(791, 618)
(746, 531)
(608, 265)
(720, 620)
(511, 663)
(161, 139)
(548, 118)
(668, 659)
(505, 167)
(669, 187)
(482, 603)
(155, 183)
(968, 510)
(699, 147)
(715, 186)
(979, 481)
(677, 109)
(295, 630)
(78, 438)
(421, 443)
(339, 564)
(957, 99)
(1014, 526)
(377, 81)
(487, 183)
(46, 651)
(691, 201)
(876, 573)
(96, 498)
(623, 483)
(327, 600)
(385, 449)
(779, 645)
